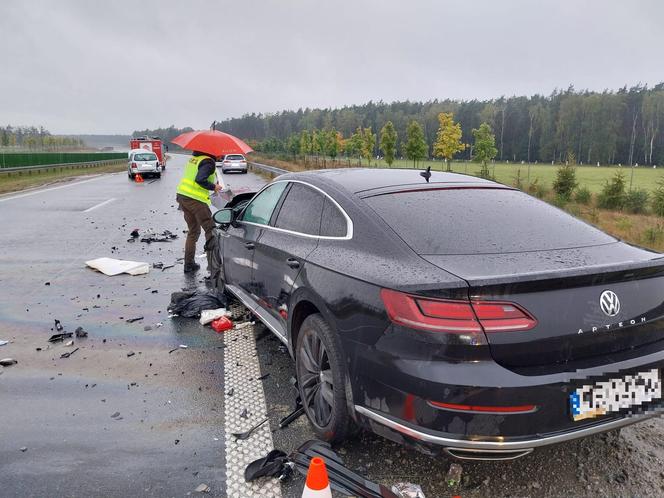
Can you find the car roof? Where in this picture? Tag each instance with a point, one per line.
(364, 180)
(132, 151)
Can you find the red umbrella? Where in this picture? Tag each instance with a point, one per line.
(215, 142)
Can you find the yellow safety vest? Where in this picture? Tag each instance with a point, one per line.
(188, 186)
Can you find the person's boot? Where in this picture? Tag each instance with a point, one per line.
(191, 267)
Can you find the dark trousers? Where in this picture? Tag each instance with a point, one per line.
(197, 214)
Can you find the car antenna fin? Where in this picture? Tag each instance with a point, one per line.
(426, 174)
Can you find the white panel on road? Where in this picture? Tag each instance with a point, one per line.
(240, 365)
(111, 267)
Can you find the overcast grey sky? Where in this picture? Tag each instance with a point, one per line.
(81, 66)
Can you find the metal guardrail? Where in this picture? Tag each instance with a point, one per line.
(46, 167)
(269, 169)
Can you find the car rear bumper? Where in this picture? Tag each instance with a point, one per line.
(233, 168)
(146, 169)
(496, 448)
(399, 398)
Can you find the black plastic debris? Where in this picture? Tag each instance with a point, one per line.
(158, 266)
(341, 477)
(60, 337)
(130, 353)
(134, 233)
(115, 415)
(68, 353)
(274, 464)
(47, 283)
(165, 236)
(190, 304)
(80, 332)
(132, 320)
(58, 326)
(297, 412)
(263, 377)
(8, 362)
(241, 436)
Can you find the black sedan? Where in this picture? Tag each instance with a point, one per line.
(454, 314)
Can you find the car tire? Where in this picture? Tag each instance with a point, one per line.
(322, 373)
(158, 175)
(131, 176)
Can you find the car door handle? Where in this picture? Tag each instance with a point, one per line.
(293, 263)
(249, 245)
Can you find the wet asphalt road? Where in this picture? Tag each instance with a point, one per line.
(171, 405)
(168, 436)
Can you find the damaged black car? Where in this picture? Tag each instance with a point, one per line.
(447, 312)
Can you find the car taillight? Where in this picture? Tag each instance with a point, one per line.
(502, 317)
(454, 316)
(227, 161)
(134, 166)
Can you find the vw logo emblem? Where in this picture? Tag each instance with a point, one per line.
(609, 303)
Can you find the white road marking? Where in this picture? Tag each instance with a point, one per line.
(42, 190)
(240, 365)
(108, 201)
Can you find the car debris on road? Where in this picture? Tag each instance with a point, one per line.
(7, 362)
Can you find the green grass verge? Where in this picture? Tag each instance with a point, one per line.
(16, 182)
(591, 177)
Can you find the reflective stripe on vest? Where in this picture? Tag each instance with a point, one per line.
(188, 186)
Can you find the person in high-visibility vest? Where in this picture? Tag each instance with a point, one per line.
(193, 196)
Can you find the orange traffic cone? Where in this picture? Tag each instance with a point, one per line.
(318, 484)
(139, 178)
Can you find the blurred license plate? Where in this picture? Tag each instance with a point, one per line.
(615, 394)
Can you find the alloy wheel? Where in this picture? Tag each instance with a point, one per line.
(316, 379)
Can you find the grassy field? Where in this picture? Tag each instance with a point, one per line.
(591, 177)
(14, 182)
(643, 230)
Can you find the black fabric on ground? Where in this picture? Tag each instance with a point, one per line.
(190, 304)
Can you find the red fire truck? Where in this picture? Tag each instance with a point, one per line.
(150, 143)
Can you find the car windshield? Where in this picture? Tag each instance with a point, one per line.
(481, 221)
(235, 157)
(145, 156)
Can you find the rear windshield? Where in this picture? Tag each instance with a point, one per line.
(234, 157)
(481, 221)
(145, 156)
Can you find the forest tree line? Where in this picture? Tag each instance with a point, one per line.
(33, 138)
(610, 127)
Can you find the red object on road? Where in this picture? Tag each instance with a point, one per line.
(153, 144)
(216, 143)
(221, 324)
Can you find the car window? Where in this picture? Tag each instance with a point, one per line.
(481, 221)
(261, 207)
(301, 210)
(143, 156)
(234, 157)
(333, 223)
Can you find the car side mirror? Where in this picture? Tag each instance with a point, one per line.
(224, 217)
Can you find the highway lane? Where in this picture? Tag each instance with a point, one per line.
(171, 434)
(168, 437)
